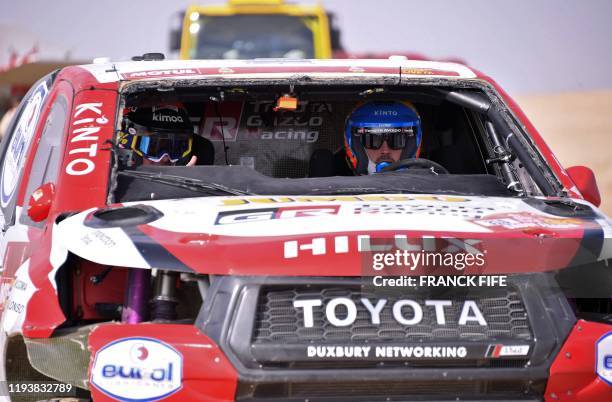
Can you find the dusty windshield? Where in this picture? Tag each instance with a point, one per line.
(285, 139)
(252, 36)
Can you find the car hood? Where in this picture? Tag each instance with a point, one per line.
(335, 235)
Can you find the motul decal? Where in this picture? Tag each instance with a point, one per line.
(178, 72)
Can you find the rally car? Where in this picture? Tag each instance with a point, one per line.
(261, 230)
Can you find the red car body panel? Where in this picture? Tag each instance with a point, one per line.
(207, 373)
(572, 377)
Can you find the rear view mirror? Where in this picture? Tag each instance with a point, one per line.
(584, 179)
(40, 202)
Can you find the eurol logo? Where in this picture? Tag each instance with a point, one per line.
(138, 369)
(604, 358)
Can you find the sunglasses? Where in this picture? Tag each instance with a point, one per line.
(373, 137)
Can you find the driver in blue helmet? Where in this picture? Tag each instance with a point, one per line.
(379, 133)
(158, 135)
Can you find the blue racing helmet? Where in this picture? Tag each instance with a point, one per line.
(372, 123)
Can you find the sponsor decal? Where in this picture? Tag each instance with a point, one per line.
(364, 244)
(407, 209)
(499, 350)
(88, 121)
(301, 125)
(386, 352)
(351, 198)
(162, 73)
(527, 220)
(385, 113)
(267, 214)
(603, 358)
(427, 71)
(20, 143)
(395, 351)
(226, 70)
(5, 288)
(217, 128)
(18, 298)
(99, 238)
(138, 369)
(261, 124)
(404, 311)
(167, 118)
(290, 134)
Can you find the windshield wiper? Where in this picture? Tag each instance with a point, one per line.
(184, 182)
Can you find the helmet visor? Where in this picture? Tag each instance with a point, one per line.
(374, 137)
(155, 146)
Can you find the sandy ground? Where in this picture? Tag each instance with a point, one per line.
(577, 126)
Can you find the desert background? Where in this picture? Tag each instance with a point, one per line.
(577, 125)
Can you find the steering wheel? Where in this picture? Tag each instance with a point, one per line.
(418, 163)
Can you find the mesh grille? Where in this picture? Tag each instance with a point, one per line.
(279, 322)
(381, 389)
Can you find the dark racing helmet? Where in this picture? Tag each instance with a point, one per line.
(372, 123)
(157, 132)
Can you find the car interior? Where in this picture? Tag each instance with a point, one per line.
(297, 132)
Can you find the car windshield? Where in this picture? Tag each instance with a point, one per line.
(308, 140)
(251, 36)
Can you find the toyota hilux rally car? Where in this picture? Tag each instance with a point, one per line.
(270, 260)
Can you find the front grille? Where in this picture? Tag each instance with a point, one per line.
(277, 321)
(385, 389)
(444, 364)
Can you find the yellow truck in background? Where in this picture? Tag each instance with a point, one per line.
(246, 29)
